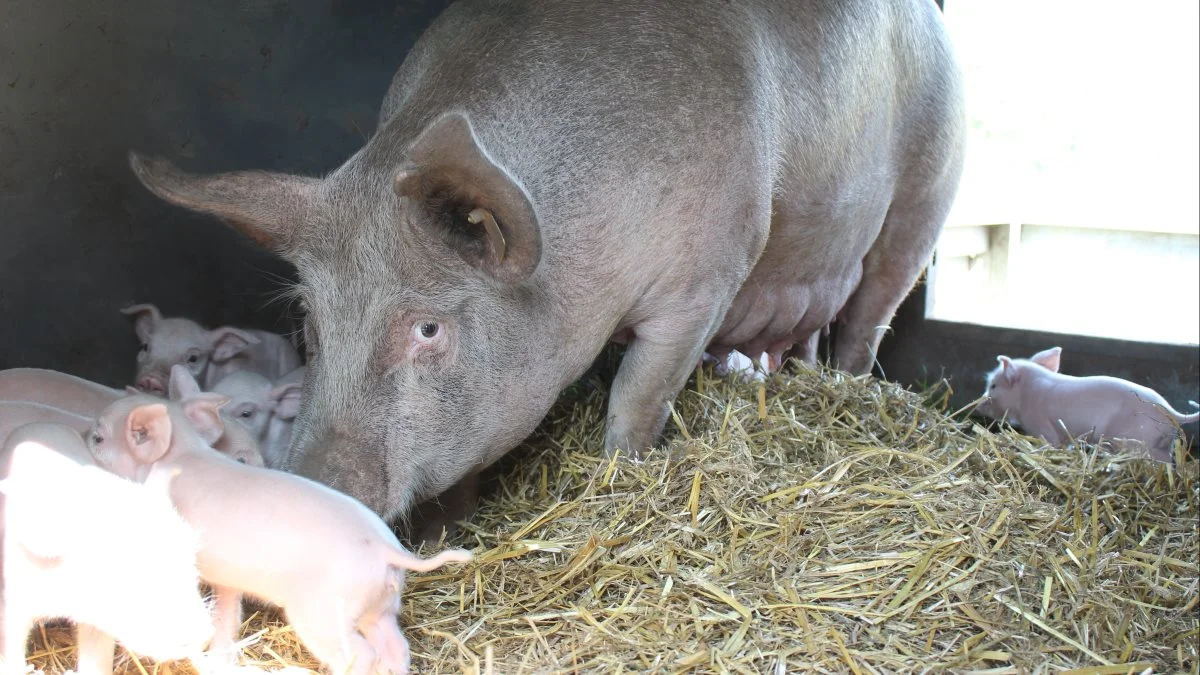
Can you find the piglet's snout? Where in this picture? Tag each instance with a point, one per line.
(152, 384)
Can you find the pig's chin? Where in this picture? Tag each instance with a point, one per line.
(985, 408)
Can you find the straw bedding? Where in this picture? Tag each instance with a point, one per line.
(816, 523)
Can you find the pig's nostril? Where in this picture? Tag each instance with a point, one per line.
(151, 385)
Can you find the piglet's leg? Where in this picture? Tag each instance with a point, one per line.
(390, 645)
(94, 649)
(333, 640)
(16, 632)
(227, 621)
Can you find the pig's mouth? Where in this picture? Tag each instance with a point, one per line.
(152, 383)
(984, 406)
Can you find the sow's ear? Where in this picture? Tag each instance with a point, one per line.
(470, 202)
(267, 207)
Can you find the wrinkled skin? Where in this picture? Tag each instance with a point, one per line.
(548, 176)
(1032, 394)
(60, 506)
(266, 410)
(208, 354)
(334, 567)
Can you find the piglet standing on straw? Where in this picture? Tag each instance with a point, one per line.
(1032, 394)
(81, 543)
(334, 567)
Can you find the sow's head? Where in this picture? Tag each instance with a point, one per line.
(416, 263)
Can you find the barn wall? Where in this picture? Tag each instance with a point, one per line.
(290, 85)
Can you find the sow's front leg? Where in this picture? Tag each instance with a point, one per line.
(655, 367)
(439, 516)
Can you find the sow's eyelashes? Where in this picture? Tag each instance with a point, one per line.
(310, 338)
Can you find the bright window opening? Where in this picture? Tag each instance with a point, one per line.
(1079, 207)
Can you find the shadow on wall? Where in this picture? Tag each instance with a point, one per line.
(287, 85)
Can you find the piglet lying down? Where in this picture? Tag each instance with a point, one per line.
(67, 528)
(334, 567)
(1033, 395)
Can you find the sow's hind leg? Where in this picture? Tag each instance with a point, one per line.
(892, 266)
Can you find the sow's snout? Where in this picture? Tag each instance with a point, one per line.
(347, 464)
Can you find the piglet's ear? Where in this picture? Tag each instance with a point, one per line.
(145, 317)
(286, 398)
(204, 412)
(181, 384)
(227, 342)
(1007, 370)
(148, 432)
(1048, 359)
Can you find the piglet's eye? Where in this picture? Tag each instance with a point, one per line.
(143, 347)
(427, 330)
(97, 439)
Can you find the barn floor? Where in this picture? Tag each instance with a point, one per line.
(820, 524)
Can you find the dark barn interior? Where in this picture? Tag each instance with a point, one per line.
(288, 85)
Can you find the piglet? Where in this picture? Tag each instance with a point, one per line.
(14, 414)
(1033, 395)
(208, 354)
(53, 388)
(334, 566)
(108, 553)
(267, 409)
(741, 365)
(235, 438)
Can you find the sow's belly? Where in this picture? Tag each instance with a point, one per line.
(803, 279)
(774, 317)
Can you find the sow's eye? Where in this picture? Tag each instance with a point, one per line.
(419, 338)
(426, 331)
